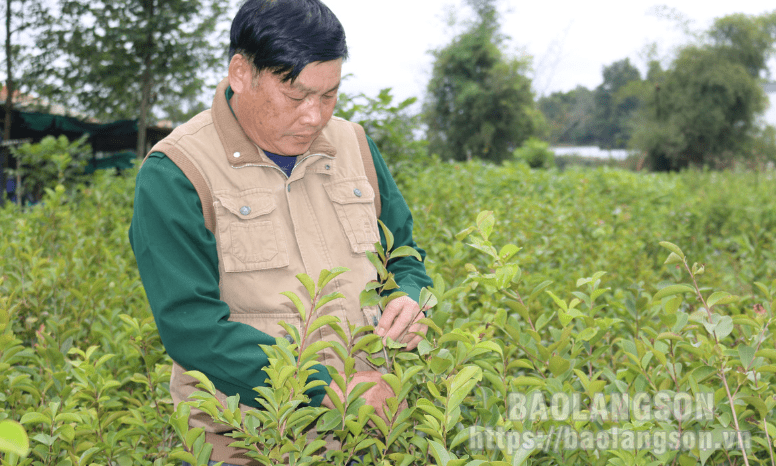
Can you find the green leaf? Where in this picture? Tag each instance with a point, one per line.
(672, 259)
(13, 439)
(519, 457)
(428, 406)
(724, 327)
(388, 235)
(439, 452)
(463, 383)
(758, 404)
(204, 383)
(328, 275)
(308, 284)
(491, 346)
(538, 289)
(438, 365)
(313, 349)
(721, 297)
(558, 365)
(328, 298)
(35, 418)
(369, 298)
(404, 251)
(588, 333)
(485, 222)
(746, 354)
(671, 290)
(673, 248)
(561, 303)
(427, 299)
(320, 322)
(297, 302)
(767, 353)
(508, 251)
(461, 235)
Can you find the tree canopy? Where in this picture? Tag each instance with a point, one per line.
(702, 110)
(599, 117)
(479, 102)
(132, 59)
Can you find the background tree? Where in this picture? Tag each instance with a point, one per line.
(133, 59)
(20, 17)
(479, 102)
(615, 105)
(702, 110)
(602, 117)
(570, 116)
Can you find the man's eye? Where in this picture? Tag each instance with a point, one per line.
(294, 99)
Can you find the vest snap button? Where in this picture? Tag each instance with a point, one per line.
(245, 210)
(236, 155)
(327, 167)
(357, 192)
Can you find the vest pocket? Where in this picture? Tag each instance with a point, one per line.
(354, 201)
(249, 237)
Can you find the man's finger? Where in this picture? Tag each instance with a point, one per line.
(400, 325)
(414, 343)
(414, 328)
(389, 314)
(396, 317)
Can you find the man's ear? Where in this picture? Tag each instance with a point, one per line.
(240, 74)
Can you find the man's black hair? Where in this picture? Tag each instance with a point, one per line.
(284, 36)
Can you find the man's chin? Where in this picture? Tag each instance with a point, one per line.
(298, 146)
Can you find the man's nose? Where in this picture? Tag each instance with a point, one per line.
(311, 113)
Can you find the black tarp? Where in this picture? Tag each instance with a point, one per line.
(118, 137)
(104, 137)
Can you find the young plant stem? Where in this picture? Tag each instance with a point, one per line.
(770, 444)
(735, 418)
(698, 291)
(516, 296)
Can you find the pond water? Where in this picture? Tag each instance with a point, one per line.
(592, 151)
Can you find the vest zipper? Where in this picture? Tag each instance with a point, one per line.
(260, 165)
(299, 162)
(278, 168)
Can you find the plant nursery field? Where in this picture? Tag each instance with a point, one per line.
(580, 317)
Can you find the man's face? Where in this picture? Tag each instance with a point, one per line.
(285, 118)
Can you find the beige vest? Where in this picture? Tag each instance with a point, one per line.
(269, 228)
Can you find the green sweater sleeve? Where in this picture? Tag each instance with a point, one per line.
(178, 263)
(410, 274)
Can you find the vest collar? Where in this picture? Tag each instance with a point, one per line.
(240, 150)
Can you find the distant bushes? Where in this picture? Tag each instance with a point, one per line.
(535, 153)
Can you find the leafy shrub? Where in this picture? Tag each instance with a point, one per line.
(391, 126)
(521, 309)
(482, 381)
(50, 162)
(82, 367)
(535, 153)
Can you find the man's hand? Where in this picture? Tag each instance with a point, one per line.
(400, 322)
(375, 396)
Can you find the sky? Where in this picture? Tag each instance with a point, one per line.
(569, 42)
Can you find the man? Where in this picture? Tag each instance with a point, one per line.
(263, 186)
